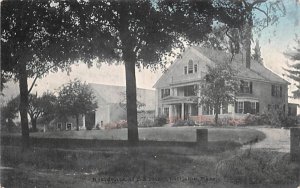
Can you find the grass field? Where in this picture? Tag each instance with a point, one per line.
(186, 134)
(148, 167)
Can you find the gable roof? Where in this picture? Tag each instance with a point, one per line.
(111, 94)
(205, 56)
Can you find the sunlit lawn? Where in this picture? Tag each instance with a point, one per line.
(187, 134)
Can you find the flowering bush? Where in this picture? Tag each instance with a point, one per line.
(116, 125)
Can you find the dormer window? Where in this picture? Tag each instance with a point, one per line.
(191, 68)
(246, 87)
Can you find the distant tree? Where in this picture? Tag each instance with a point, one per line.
(294, 69)
(219, 88)
(74, 99)
(242, 18)
(257, 54)
(9, 112)
(42, 107)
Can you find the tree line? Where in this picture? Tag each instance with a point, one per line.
(72, 100)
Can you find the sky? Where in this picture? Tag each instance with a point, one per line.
(274, 40)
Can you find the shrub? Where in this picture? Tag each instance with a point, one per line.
(116, 125)
(181, 123)
(160, 121)
(277, 118)
(252, 120)
(289, 121)
(146, 122)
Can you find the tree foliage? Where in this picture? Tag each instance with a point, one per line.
(140, 34)
(257, 54)
(74, 99)
(42, 107)
(239, 19)
(219, 87)
(9, 112)
(36, 38)
(294, 69)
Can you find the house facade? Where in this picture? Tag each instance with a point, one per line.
(112, 103)
(260, 88)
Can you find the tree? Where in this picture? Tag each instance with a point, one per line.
(9, 112)
(219, 88)
(36, 37)
(252, 15)
(294, 70)
(139, 34)
(42, 107)
(75, 99)
(257, 54)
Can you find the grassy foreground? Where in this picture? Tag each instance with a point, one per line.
(186, 134)
(151, 166)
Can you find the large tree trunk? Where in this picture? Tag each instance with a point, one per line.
(77, 123)
(129, 58)
(24, 104)
(133, 136)
(216, 118)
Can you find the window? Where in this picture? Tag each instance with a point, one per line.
(253, 105)
(165, 93)
(253, 108)
(185, 70)
(59, 125)
(166, 112)
(245, 87)
(69, 126)
(246, 107)
(190, 67)
(195, 68)
(190, 90)
(276, 91)
(207, 110)
(240, 109)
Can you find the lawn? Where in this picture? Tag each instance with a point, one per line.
(181, 134)
(148, 166)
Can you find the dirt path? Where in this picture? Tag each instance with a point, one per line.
(276, 139)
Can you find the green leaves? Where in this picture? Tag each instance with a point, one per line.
(76, 98)
(220, 86)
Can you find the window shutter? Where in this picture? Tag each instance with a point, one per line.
(273, 90)
(280, 91)
(236, 107)
(250, 87)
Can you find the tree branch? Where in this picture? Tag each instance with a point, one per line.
(268, 17)
(37, 76)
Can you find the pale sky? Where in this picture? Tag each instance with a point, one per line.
(274, 40)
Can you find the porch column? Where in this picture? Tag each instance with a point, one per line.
(171, 116)
(182, 111)
(83, 122)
